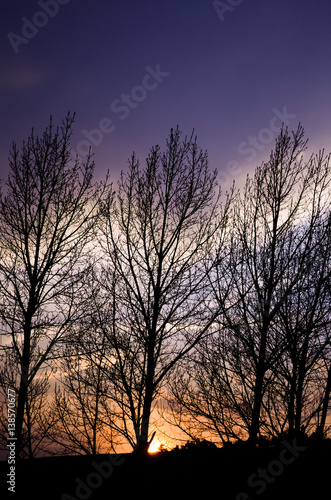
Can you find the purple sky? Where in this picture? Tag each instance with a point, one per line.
(132, 70)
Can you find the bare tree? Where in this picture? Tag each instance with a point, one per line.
(36, 422)
(201, 400)
(304, 318)
(321, 428)
(47, 213)
(80, 405)
(277, 235)
(92, 341)
(158, 234)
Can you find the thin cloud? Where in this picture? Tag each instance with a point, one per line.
(20, 77)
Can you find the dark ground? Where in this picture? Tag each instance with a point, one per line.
(287, 471)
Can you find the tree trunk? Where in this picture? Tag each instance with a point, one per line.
(299, 391)
(143, 442)
(257, 403)
(22, 399)
(24, 383)
(326, 399)
(255, 422)
(291, 404)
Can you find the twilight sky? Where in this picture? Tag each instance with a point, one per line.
(131, 70)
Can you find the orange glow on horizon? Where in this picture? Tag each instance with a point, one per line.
(155, 446)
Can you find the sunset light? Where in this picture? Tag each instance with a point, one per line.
(165, 249)
(154, 446)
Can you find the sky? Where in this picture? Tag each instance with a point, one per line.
(231, 71)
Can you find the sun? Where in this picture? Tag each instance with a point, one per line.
(154, 446)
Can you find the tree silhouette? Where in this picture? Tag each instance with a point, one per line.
(268, 242)
(304, 322)
(157, 236)
(219, 306)
(79, 409)
(36, 415)
(47, 212)
(277, 276)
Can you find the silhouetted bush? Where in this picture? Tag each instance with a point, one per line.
(196, 445)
